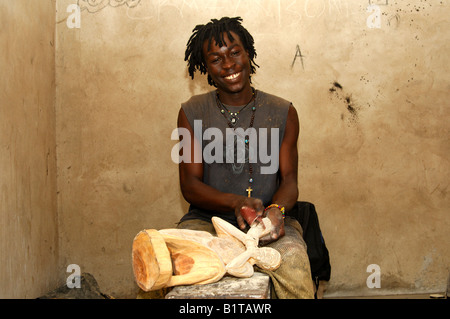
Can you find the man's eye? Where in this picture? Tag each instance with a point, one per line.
(235, 53)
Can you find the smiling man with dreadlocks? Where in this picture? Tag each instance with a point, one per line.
(237, 178)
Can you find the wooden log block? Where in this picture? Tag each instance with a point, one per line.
(162, 260)
(255, 287)
(152, 265)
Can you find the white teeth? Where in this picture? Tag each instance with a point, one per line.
(232, 76)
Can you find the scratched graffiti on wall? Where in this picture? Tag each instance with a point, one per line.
(292, 11)
(97, 5)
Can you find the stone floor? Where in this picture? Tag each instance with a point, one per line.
(401, 296)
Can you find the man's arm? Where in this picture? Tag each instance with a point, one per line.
(202, 195)
(287, 193)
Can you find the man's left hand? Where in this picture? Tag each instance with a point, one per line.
(276, 217)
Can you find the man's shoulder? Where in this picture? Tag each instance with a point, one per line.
(274, 99)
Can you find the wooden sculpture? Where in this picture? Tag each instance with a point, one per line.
(171, 257)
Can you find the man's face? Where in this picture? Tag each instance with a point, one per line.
(228, 66)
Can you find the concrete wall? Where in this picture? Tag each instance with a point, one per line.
(28, 216)
(374, 154)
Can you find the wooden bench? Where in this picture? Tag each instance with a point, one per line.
(256, 287)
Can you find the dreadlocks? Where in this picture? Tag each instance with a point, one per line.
(215, 30)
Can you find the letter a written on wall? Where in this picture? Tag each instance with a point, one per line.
(74, 19)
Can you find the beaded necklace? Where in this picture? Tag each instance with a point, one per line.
(231, 123)
(233, 115)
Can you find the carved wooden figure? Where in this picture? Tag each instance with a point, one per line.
(172, 257)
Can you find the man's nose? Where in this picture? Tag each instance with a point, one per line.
(228, 63)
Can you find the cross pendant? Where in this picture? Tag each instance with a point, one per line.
(249, 191)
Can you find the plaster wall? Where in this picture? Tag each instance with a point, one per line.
(28, 216)
(370, 84)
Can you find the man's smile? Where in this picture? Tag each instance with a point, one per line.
(233, 76)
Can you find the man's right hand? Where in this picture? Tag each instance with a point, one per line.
(247, 210)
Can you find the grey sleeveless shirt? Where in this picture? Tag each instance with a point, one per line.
(227, 157)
